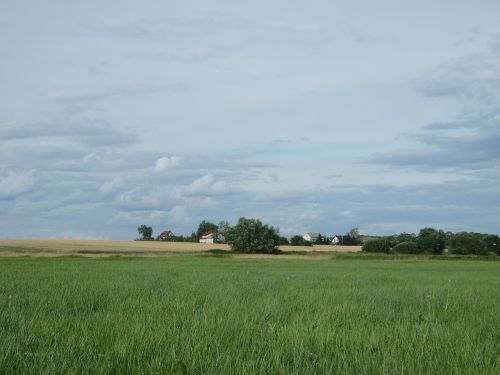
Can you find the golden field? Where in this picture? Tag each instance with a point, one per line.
(131, 248)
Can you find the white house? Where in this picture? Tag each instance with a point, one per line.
(310, 237)
(335, 240)
(207, 237)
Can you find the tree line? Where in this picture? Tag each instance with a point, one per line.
(252, 236)
(435, 241)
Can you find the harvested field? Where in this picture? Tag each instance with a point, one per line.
(131, 248)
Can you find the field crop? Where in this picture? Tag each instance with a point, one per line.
(149, 248)
(229, 315)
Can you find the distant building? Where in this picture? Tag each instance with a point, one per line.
(336, 240)
(164, 235)
(310, 237)
(207, 237)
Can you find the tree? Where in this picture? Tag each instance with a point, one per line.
(319, 240)
(492, 242)
(145, 232)
(430, 239)
(284, 241)
(467, 243)
(222, 231)
(299, 241)
(378, 245)
(252, 236)
(406, 247)
(352, 238)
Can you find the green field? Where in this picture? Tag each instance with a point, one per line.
(228, 315)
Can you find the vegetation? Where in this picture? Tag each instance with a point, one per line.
(202, 315)
(466, 243)
(145, 232)
(353, 238)
(252, 236)
(379, 245)
(284, 241)
(406, 247)
(492, 242)
(299, 241)
(431, 240)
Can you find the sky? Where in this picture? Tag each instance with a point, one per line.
(309, 115)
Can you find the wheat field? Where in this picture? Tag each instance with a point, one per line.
(131, 248)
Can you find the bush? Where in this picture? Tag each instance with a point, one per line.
(379, 245)
(467, 243)
(407, 247)
(430, 239)
(284, 241)
(299, 241)
(492, 242)
(252, 236)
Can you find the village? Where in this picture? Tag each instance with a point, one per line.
(209, 233)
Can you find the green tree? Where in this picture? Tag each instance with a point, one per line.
(145, 232)
(407, 247)
(352, 238)
(430, 239)
(252, 236)
(319, 240)
(222, 231)
(378, 245)
(492, 242)
(299, 241)
(284, 241)
(467, 243)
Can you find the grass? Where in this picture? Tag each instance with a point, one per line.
(230, 315)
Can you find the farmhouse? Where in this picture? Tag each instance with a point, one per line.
(207, 237)
(164, 235)
(336, 240)
(310, 237)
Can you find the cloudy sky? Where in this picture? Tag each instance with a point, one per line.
(310, 115)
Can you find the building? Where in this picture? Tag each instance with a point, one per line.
(164, 235)
(310, 237)
(207, 237)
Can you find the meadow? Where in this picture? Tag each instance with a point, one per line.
(219, 314)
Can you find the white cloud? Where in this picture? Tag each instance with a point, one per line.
(164, 163)
(111, 186)
(206, 185)
(16, 183)
(91, 157)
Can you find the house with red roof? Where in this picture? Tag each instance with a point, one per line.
(164, 235)
(207, 237)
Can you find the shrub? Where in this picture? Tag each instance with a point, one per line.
(284, 241)
(407, 247)
(299, 241)
(430, 239)
(252, 236)
(379, 245)
(467, 243)
(492, 242)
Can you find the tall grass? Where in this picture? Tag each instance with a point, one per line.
(204, 315)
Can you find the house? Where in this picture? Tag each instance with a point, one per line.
(207, 237)
(310, 237)
(336, 239)
(164, 235)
